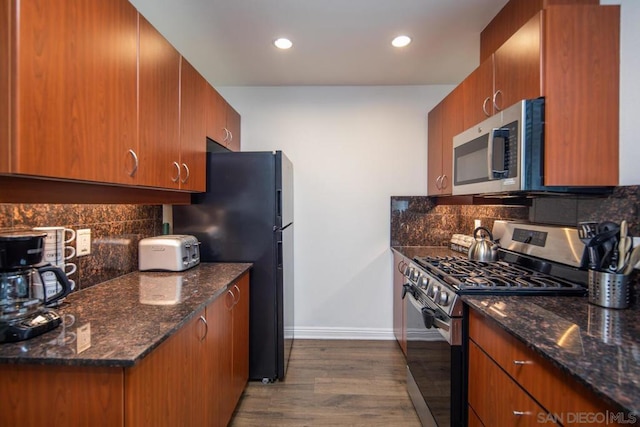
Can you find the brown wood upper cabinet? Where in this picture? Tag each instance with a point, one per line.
(223, 122)
(159, 110)
(511, 74)
(191, 168)
(571, 56)
(444, 122)
(73, 68)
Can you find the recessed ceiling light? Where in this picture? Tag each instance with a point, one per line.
(283, 43)
(401, 41)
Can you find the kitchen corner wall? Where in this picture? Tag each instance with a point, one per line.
(115, 232)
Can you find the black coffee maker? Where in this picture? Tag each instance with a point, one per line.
(22, 314)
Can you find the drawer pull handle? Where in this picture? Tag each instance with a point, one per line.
(522, 362)
(520, 413)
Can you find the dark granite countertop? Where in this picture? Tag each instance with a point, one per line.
(127, 317)
(599, 347)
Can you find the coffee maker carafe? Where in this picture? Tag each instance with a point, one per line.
(22, 314)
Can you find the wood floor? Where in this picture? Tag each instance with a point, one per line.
(333, 383)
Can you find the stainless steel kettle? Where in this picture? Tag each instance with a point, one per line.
(483, 249)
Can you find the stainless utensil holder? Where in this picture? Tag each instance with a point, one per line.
(608, 290)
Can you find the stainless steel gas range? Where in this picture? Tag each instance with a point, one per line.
(533, 260)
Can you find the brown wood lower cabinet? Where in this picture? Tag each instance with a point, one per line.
(194, 378)
(506, 376)
(399, 315)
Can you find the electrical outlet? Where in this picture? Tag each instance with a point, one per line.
(83, 242)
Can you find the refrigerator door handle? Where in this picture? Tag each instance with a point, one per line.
(280, 255)
(279, 204)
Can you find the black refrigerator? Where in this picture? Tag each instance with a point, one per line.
(246, 215)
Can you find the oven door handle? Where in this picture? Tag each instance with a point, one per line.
(431, 321)
(406, 288)
(429, 315)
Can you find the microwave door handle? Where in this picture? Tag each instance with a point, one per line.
(492, 135)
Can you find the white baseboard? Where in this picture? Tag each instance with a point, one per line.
(323, 333)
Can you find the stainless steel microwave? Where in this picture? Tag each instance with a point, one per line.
(502, 154)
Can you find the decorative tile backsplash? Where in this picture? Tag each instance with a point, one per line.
(418, 221)
(115, 232)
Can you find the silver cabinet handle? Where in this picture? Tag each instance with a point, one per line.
(495, 97)
(520, 413)
(135, 162)
(206, 328)
(234, 299)
(230, 135)
(226, 134)
(443, 182)
(522, 362)
(484, 106)
(438, 182)
(238, 289)
(186, 178)
(177, 177)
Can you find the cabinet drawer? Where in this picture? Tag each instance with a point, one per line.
(495, 397)
(554, 389)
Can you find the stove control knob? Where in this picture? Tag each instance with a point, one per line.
(443, 298)
(414, 274)
(407, 271)
(423, 282)
(435, 291)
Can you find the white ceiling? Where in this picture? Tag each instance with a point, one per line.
(336, 42)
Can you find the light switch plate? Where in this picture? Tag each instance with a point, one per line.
(83, 242)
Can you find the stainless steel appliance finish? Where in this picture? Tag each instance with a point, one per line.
(168, 253)
(246, 215)
(532, 260)
(500, 154)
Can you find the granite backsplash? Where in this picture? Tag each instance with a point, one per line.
(420, 221)
(115, 232)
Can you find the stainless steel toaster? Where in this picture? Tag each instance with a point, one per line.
(173, 252)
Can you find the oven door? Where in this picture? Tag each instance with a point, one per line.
(434, 364)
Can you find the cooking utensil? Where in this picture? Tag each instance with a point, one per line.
(624, 252)
(483, 250)
(623, 245)
(633, 260)
(586, 232)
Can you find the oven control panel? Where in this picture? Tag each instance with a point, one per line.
(437, 292)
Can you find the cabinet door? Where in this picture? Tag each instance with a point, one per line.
(216, 116)
(220, 402)
(47, 395)
(240, 366)
(477, 91)
(517, 65)
(434, 150)
(399, 315)
(75, 89)
(193, 128)
(233, 126)
(166, 387)
(496, 398)
(5, 93)
(582, 79)
(452, 124)
(159, 95)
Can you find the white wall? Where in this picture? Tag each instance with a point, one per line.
(629, 90)
(352, 148)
